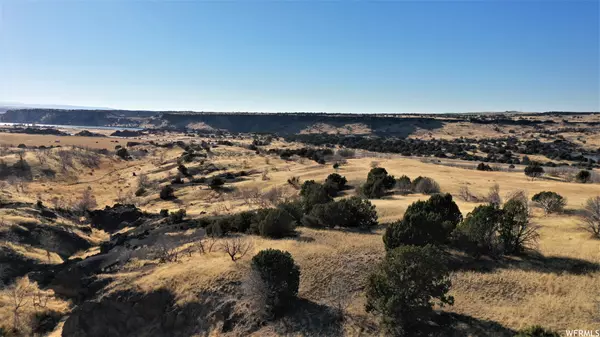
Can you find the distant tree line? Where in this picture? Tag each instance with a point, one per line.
(497, 150)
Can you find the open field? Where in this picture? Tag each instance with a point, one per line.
(556, 285)
(49, 140)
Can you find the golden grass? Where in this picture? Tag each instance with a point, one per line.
(47, 140)
(512, 296)
(27, 290)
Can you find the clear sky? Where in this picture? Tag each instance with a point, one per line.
(340, 56)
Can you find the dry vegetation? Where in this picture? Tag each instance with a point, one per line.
(557, 286)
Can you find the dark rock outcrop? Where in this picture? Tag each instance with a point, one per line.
(132, 313)
(86, 133)
(127, 133)
(77, 280)
(111, 219)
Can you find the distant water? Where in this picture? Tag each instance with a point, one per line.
(71, 126)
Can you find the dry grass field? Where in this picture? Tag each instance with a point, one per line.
(556, 286)
(48, 140)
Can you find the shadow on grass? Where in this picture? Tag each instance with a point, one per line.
(531, 261)
(457, 325)
(308, 318)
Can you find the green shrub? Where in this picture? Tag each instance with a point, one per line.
(403, 184)
(583, 176)
(327, 215)
(416, 228)
(516, 232)
(360, 212)
(424, 222)
(177, 217)
(378, 182)
(177, 180)
(140, 192)
(216, 183)
(484, 167)
(294, 208)
(478, 233)
(334, 183)
(353, 212)
(534, 170)
(281, 278)
(346, 153)
(167, 193)
(311, 221)
(275, 223)
(550, 202)
(183, 170)
(442, 204)
(242, 221)
(222, 225)
(405, 286)
(425, 185)
(536, 331)
(123, 154)
(313, 193)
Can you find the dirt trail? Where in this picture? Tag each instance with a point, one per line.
(102, 177)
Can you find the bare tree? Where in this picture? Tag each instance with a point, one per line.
(17, 182)
(465, 194)
(517, 232)
(222, 209)
(125, 197)
(206, 244)
(250, 195)
(86, 202)
(255, 297)
(161, 157)
(19, 293)
(87, 158)
(143, 181)
(550, 202)
(493, 196)
(591, 216)
(519, 195)
(166, 249)
(5, 149)
(65, 160)
(49, 243)
(236, 248)
(294, 182)
(339, 297)
(21, 155)
(42, 156)
(58, 202)
(273, 196)
(40, 298)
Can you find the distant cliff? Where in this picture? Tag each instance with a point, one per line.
(76, 117)
(281, 123)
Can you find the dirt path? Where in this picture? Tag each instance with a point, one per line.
(102, 177)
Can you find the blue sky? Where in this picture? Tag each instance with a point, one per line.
(393, 56)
